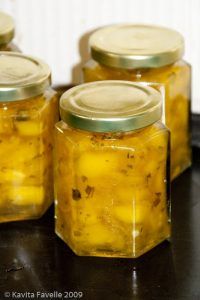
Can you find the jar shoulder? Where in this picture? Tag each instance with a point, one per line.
(134, 139)
(94, 71)
(31, 106)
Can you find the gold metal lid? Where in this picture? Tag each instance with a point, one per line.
(132, 46)
(22, 76)
(110, 105)
(6, 28)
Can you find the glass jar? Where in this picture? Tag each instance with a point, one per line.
(143, 53)
(111, 170)
(7, 32)
(28, 112)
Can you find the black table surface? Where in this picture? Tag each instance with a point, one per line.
(34, 260)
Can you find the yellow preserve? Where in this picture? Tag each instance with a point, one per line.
(28, 112)
(7, 32)
(150, 54)
(111, 170)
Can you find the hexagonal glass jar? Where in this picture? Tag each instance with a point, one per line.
(143, 53)
(7, 32)
(112, 170)
(28, 112)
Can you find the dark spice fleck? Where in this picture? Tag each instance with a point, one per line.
(50, 146)
(124, 171)
(76, 195)
(106, 137)
(38, 156)
(130, 166)
(94, 138)
(22, 115)
(89, 191)
(111, 136)
(130, 155)
(148, 176)
(118, 135)
(156, 202)
(84, 178)
(158, 194)
(77, 233)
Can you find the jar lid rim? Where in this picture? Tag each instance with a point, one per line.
(111, 106)
(132, 46)
(22, 76)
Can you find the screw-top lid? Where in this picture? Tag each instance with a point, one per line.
(22, 76)
(106, 106)
(133, 46)
(6, 28)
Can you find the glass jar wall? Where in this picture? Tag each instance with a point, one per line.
(28, 112)
(148, 54)
(111, 170)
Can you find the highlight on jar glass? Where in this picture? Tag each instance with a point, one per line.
(7, 32)
(28, 113)
(146, 53)
(112, 170)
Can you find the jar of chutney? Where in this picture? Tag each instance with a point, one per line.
(112, 170)
(28, 112)
(151, 54)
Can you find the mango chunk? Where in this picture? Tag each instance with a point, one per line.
(124, 193)
(142, 212)
(6, 126)
(29, 128)
(97, 164)
(26, 195)
(14, 176)
(98, 235)
(124, 213)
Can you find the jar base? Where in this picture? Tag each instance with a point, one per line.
(112, 254)
(23, 216)
(179, 170)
